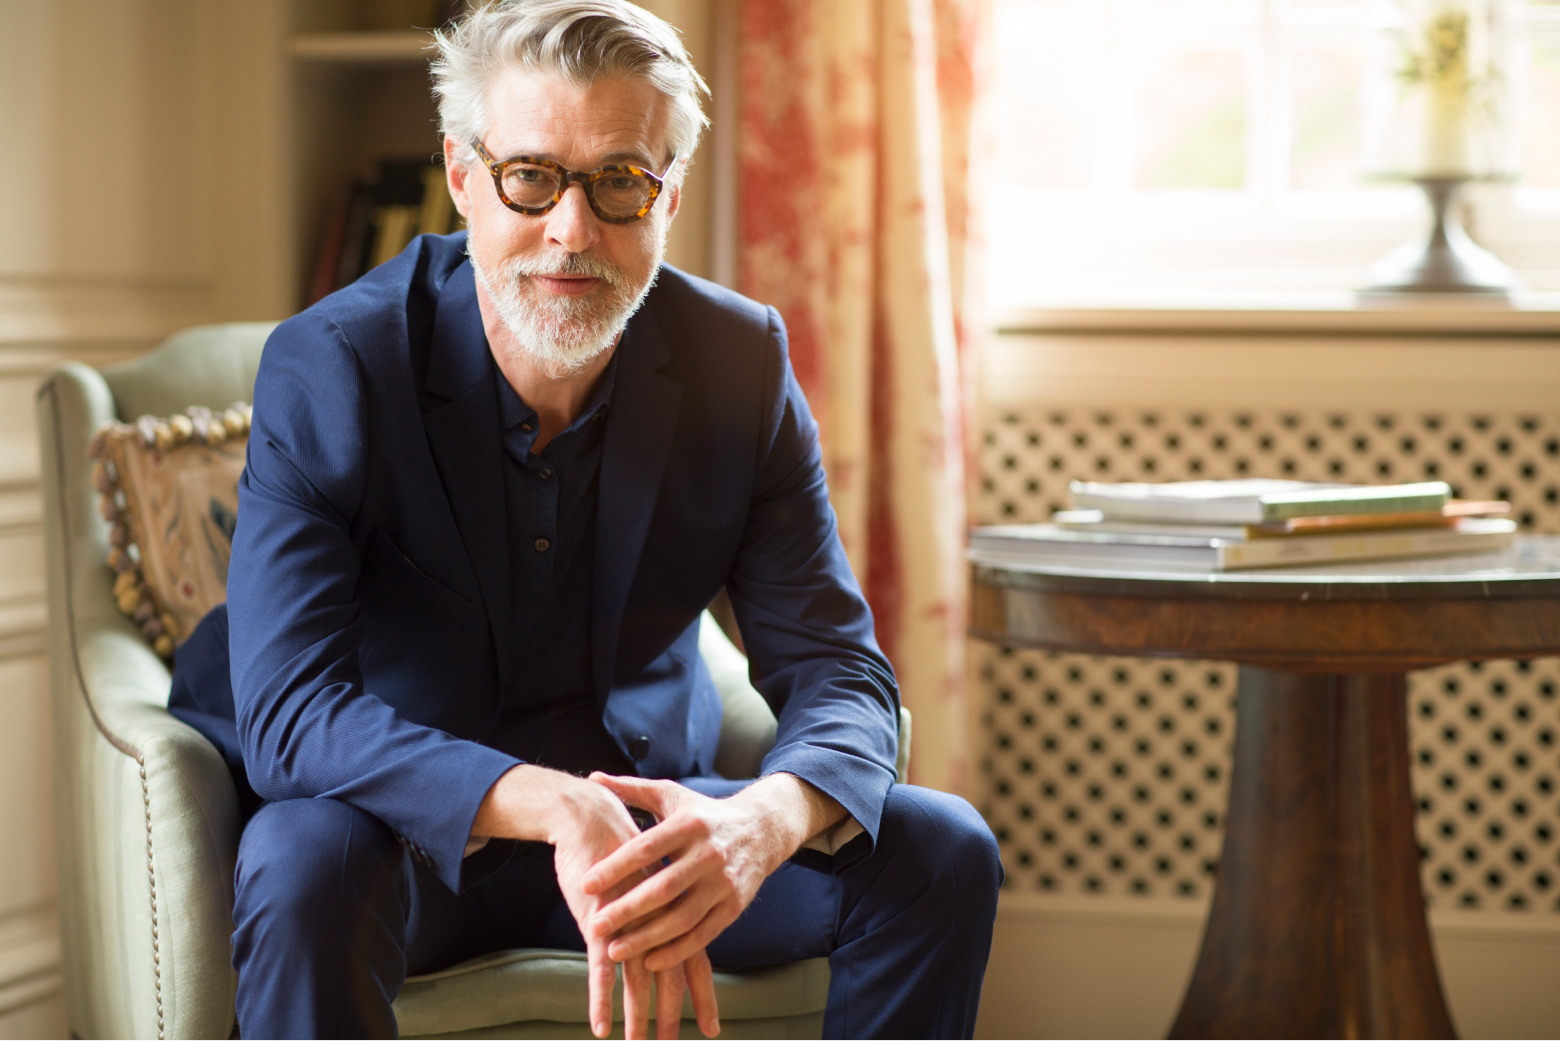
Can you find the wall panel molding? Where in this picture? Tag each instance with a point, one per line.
(29, 957)
(75, 311)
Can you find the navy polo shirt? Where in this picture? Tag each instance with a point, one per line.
(550, 713)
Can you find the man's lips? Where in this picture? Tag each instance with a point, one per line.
(567, 285)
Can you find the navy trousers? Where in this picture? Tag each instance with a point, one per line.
(332, 915)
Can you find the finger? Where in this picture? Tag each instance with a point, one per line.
(700, 980)
(602, 975)
(695, 939)
(645, 850)
(659, 797)
(644, 899)
(668, 1002)
(636, 999)
(644, 937)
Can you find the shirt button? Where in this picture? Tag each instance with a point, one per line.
(542, 545)
(639, 748)
(546, 474)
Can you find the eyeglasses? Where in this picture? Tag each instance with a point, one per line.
(618, 194)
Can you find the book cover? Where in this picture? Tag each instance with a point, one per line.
(1050, 544)
(1253, 501)
(1096, 520)
(328, 263)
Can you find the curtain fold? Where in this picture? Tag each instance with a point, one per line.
(858, 133)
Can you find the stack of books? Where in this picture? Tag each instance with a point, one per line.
(1231, 525)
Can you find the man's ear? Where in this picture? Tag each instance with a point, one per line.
(455, 176)
(674, 200)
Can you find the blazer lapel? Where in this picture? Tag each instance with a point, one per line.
(464, 436)
(640, 423)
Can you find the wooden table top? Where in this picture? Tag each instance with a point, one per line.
(1369, 617)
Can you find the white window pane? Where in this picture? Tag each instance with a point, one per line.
(1354, 7)
(1324, 129)
(1541, 117)
(1190, 120)
(1048, 112)
(1185, 15)
(1192, 7)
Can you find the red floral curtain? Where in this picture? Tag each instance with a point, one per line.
(858, 135)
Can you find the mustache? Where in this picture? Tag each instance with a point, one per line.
(588, 265)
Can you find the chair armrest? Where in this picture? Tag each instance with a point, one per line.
(189, 829)
(902, 757)
(146, 816)
(747, 726)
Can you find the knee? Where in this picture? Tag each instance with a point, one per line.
(941, 837)
(308, 856)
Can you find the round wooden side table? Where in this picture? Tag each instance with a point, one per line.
(1318, 926)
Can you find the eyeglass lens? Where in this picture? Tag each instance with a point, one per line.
(618, 193)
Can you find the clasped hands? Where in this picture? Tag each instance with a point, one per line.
(655, 900)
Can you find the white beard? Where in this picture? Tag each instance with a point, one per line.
(564, 334)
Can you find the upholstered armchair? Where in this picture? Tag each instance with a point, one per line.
(148, 819)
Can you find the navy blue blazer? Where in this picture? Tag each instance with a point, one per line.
(368, 593)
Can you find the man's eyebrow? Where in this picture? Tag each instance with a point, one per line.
(630, 158)
(610, 159)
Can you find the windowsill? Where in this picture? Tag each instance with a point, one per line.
(1527, 314)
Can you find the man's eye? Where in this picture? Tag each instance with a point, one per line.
(621, 183)
(530, 175)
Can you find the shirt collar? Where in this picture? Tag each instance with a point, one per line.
(513, 411)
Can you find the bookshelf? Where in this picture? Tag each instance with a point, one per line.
(355, 91)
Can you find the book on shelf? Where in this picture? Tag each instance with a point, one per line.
(1019, 544)
(1254, 500)
(374, 219)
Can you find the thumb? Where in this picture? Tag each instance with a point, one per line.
(659, 797)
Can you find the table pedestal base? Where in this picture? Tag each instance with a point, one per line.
(1318, 923)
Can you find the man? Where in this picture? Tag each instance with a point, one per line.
(490, 488)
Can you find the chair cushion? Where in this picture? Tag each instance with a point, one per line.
(169, 488)
(521, 986)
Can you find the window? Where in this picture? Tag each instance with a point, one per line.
(1172, 146)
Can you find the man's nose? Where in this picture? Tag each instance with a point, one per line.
(572, 225)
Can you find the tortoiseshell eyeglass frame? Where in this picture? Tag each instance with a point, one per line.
(566, 177)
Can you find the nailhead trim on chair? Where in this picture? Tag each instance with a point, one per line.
(151, 880)
(81, 681)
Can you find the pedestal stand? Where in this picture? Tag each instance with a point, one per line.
(1318, 924)
(1444, 261)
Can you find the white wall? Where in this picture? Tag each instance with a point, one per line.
(133, 191)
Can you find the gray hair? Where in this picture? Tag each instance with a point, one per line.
(579, 40)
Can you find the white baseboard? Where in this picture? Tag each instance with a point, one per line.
(29, 958)
(1071, 966)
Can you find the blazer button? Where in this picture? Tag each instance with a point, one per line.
(639, 748)
(542, 545)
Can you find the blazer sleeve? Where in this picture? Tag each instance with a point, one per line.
(307, 727)
(806, 626)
